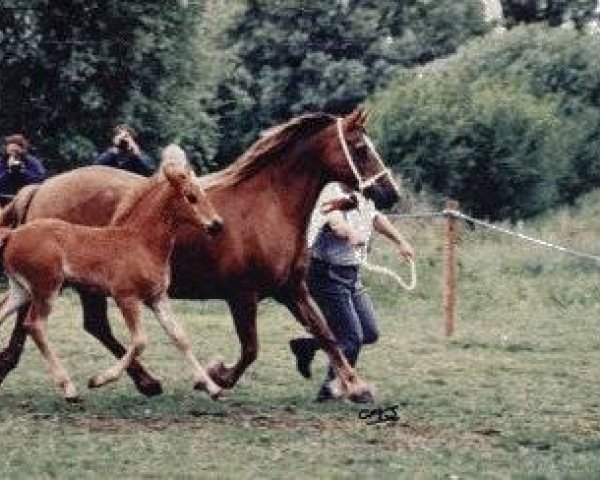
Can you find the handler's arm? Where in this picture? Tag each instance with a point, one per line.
(383, 225)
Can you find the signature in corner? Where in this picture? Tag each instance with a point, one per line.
(379, 415)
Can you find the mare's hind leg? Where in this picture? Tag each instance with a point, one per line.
(35, 325)
(17, 297)
(243, 309)
(95, 322)
(164, 313)
(10, 356)
(130, 308)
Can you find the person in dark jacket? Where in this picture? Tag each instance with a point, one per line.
(17, 167)
(125, 153)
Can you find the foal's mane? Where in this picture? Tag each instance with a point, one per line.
(271, 144)
(133, 198)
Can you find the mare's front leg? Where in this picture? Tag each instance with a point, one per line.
(164, 313)
(243, 309)
(298, 300)
(95, 322)
(130, 308)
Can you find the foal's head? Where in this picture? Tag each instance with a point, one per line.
(189, 203)
(351, 158)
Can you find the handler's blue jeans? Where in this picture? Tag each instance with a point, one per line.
(346, 305)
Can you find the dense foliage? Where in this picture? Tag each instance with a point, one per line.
(73, 69)
(296, 56)
(509, 128)
(554, 12)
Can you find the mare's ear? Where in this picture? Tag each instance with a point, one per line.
(366, 115)
(356, 119)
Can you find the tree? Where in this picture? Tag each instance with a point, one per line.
(555, 12)
(73, 69)
(509, 128)
(296, 56)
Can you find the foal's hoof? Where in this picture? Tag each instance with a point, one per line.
(214, 393)
(75, 399)
(94, 382)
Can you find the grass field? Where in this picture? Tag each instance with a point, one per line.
(514, 394)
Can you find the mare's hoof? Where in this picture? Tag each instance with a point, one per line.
(365, 396)
(362, 398)
(149, 388)
(75, 399)
(217, 371)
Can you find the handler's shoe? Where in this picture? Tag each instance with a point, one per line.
(304, 350)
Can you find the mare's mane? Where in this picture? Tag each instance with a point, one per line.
(271, 144)
(133, 198)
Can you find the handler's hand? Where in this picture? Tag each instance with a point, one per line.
(342, 204)
(407, 252)
(133, 146)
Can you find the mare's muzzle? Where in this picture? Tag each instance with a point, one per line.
(384, 192)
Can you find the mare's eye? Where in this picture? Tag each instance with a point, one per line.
(191, 198)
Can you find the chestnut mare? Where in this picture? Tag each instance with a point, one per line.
(40, 256)
(265, 198)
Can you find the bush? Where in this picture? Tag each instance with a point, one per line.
(509, 126)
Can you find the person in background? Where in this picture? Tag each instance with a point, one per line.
(125, 153)
(17, 166)
(342, 236)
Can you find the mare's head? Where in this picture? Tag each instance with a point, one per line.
(350, 158)
(190, 204)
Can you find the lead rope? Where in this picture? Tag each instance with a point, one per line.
(393, 275)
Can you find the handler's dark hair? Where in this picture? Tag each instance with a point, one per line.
(17, 139)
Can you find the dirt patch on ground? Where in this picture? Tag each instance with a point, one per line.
(394, 436)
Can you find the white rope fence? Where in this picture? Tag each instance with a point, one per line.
(507, 231)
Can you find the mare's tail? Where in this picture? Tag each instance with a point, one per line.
(14, 213)
(4, 234)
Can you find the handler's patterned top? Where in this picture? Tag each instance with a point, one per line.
(327, 246)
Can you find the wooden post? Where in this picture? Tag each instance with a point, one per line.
(450, 269)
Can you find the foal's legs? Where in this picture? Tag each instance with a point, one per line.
(130, 308)
(162, 310)
(35, 324)
(243, 309)
(95, 322)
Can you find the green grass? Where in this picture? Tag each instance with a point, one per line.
(514, 394)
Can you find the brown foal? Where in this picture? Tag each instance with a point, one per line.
(128, 260)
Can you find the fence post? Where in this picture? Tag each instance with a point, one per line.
(450, 269)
